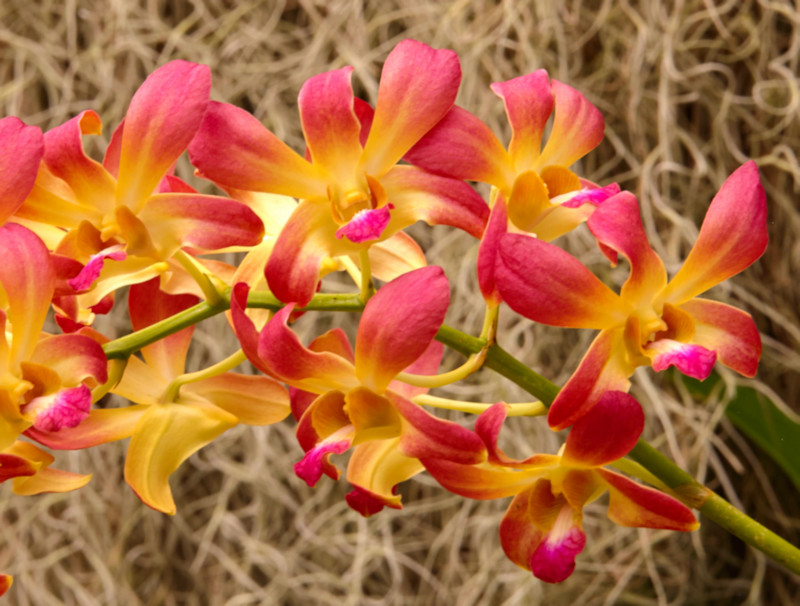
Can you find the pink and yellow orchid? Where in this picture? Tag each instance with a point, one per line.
(534, 180)
(129, 209)
(45, 380)
(344, 399)
(352, 191)
(652, 321)
(536, 192)
(542, 530)
(167, 425)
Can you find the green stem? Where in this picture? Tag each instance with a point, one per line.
(174, 388)
(203, 280)
(474, 360)
(519, 409)
(124, 347)
(367, 287)
(694, 494)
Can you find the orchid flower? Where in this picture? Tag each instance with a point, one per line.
(651, 321)
(353, 194)
(345, 399)
(388, 259)
(542, 528)
(45, 380)
(536, 192)
(165, 431)
(127, 210)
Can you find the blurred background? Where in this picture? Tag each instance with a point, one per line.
(689, 89)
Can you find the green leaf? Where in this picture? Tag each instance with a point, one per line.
(758, 418)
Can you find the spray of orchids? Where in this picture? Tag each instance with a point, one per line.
(75, 230)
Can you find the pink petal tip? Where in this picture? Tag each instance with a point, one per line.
(366, 225)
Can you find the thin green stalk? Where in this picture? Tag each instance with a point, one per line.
(367, 287)
(517, 409)
(174, 388)
(126, 346)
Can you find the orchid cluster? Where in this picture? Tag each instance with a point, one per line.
(76, 230)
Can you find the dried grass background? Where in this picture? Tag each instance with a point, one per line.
(689, 89)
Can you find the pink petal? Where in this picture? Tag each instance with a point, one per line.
(300, 401)
(243, 326)
(605, 367)
(553, 560)
(425, 436)
(618, 228)
(365, 115)
(366, 503)
(366, 225)
(206, 222)
(91, 271)
(91, 184)
(592, 195)
(233, 149)
(330, 124)
(488, 251)
(307, 238)
(399, 323)
(518, 535)
(732, 237)
(375, 469)
(632, 504)
(462, 147)
(488, 426)
(529, 102)
(21, 151)
(692, 360)
(325, 420)
(111, 157)
(66, 408)
(6, 580)
(29, 283)
(163, 117)
(310, 467)
(13, 466)
(421, 196)
(728, 331)
(281, 352)
(417, 88)
(100, 427)
(148, 304)
(577, 127)
(546, 284)
(74, 358)
(606, 433)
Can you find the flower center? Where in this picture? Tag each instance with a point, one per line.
(346, 204)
